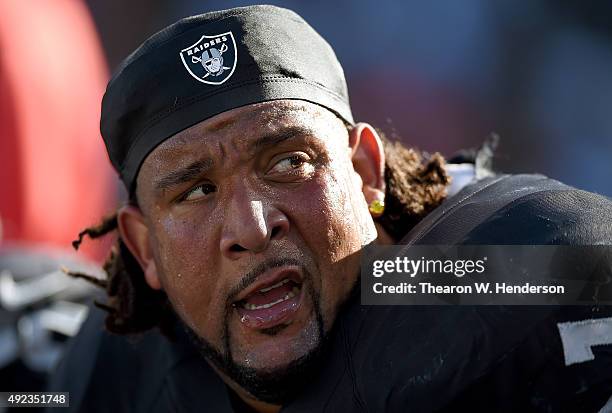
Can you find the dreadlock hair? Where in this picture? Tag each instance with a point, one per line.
(415, 185)
(132, 306)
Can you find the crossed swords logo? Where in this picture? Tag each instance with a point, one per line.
(206, 63)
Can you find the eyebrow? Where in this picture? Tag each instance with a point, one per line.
(187, 174)
(197, 168)
(279, 136)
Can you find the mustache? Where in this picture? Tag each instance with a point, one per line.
(250, 277)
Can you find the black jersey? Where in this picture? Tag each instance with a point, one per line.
(402, 358)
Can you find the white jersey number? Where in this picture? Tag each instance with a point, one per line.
(579, 336)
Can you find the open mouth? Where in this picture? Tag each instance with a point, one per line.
(272, 300)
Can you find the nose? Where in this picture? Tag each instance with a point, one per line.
(249, 226)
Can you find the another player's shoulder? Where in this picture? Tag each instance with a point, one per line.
(540, 210)
(518, 209)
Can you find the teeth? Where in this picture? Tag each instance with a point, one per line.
(278, 284)
(289, 295)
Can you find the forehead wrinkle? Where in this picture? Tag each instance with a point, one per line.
(264, 125)
(283, 112)
(220, 124)
(234, 127)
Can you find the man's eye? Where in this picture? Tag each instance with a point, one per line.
(292, 164)
(198, 192)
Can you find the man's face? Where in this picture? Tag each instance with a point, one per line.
(255, 218)
(213, 65)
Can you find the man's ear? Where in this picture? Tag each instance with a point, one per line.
(368, 158)
(135, 234)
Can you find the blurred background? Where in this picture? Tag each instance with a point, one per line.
(440, 76)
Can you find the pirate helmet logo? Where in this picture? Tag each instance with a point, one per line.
(212, 59)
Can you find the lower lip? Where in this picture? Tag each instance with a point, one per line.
(272, 316)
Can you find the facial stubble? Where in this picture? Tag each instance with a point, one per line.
(276, 385)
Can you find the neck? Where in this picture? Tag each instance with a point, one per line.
(260, 406)
(383, 236)
(247, 398)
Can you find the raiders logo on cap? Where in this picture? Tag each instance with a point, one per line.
(212, 59)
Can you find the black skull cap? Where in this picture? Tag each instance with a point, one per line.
(207, 64)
